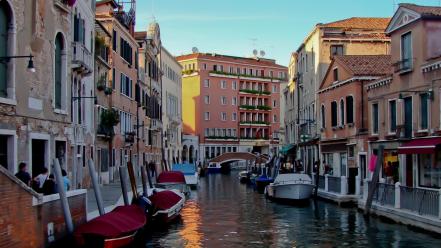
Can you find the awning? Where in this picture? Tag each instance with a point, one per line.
(420, 146)
(285, 149)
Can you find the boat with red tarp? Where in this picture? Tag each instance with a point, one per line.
(173, 180)
(166, 205)
(115, 229)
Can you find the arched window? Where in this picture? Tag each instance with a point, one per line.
(5, 21)
(349, 109)
(342, 112)
(323, 116)
(59, 68)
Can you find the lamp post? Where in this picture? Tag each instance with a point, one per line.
(30, 67)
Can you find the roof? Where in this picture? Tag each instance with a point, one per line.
(231, 59)
(359, 23)
(424, 11)
(140, 35)
(113, 2)
(366, 65)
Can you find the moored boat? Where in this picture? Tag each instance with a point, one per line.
(290, 186)
(244, 176)
(172, 180)
(214, 168)
(190, 173)
(262, 181)
(114, 229)
(166, 205)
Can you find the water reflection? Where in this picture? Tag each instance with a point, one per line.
(225, 213)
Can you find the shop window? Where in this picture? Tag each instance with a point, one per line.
(429, 167)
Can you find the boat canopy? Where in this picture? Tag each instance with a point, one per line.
(187, 169)
(171, 177)
(292, 177)
(163, 200)
(121, 221)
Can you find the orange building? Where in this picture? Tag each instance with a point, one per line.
(231, 103)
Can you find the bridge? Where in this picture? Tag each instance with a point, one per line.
(229, 157)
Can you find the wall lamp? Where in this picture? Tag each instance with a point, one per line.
(428, 92)
(30, 67)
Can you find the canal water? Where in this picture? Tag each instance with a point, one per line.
(225, 213)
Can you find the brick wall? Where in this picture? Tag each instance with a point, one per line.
(24, 224)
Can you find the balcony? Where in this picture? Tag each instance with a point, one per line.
(255, 92)
(403, 66)
(156, 124)
(62, 5)
(104, 132)
(81, 58)
(141, 75)
(254, 123)
(222, 138)
(102, 53)
(258, 107)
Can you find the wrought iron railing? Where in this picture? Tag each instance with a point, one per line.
(384, 194)
(334, 184)
(421, 201)
(321, 182)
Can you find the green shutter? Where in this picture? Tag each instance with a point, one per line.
(58, 48)
(3, 51)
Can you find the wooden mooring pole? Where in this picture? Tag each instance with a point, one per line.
(63, 197)
(375, 178)
(96, 187)
(123, 180)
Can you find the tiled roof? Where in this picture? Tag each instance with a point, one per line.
(359, 23)
(358, 36)
(140, 35)
(425, 11)
(231, 59)
(366, 65)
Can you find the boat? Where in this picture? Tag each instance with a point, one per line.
(172, 180)
(291, 186)
(244, 176)
(190, 173)
(166, 205)
(114, 229)
(262, 181)
(214, 168)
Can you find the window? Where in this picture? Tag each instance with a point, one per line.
(205, 66)
(393, 116)
(207, 83)
(58, 71)
(207, 99)
(336, 50)
(114, 40)
(223, 116)
(223, 84)
(274, 88)
(349, 109)
(233, 101)
(342, 112)
(234, 116)
(126, 85)
(207, 132)
(323, 115)
(234, 85)
(424, 111)
(335, 73)
(274, 118)
(207, 116)
(113, 78)
(4, 45)
(406, 51)
(126, 50)
(271, 74)
(429, 166)
(230, 69)
(274, 103)
(223, 100)
(375, 118)
(334, 114)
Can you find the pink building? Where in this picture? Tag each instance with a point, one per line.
(231, 103)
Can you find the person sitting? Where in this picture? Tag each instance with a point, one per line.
(22, 174)
(40, 179)
(66, 180)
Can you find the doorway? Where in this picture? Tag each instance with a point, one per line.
(362, 161)
(38, 156)
(351, 180)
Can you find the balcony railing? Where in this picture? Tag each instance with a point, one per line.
(258, 107)
(256, 92)
(384, 194)
(62, 4)
(403, 66)
(82, 57)
(258, 123)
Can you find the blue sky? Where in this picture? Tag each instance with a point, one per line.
(236, 27)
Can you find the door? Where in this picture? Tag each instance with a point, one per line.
(351, 180)
(38, 156)
(343, 163)
(408, 117)
(362, 166)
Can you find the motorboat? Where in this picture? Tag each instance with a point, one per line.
(114, 229)
(190, 173)
(244, 176)
(166, 205)
(262, 181)
(172, 180)
(291, 186)
(214, 168)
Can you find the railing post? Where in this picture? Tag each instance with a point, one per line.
(439, 203)
(397, 195)
(326, 183)
(357, 185)
(344, 185)
(365, 188)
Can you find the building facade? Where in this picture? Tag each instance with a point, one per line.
(353, 36)
(172, 109)
(231, 103)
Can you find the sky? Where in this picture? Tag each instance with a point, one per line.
(237, 27)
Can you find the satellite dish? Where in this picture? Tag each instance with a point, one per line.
(195, 50)
(255, 52)
(262, 53)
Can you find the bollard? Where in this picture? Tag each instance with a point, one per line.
(63, 197)
(397, 195)
(96, 186)
(344, 185)
(357, 185)
(123, 179)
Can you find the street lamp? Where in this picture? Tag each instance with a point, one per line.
(30, 67)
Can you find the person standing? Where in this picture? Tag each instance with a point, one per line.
(22, 173)
(66, 180)
(41, 178)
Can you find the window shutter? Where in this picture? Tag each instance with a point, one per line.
(3, 52)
